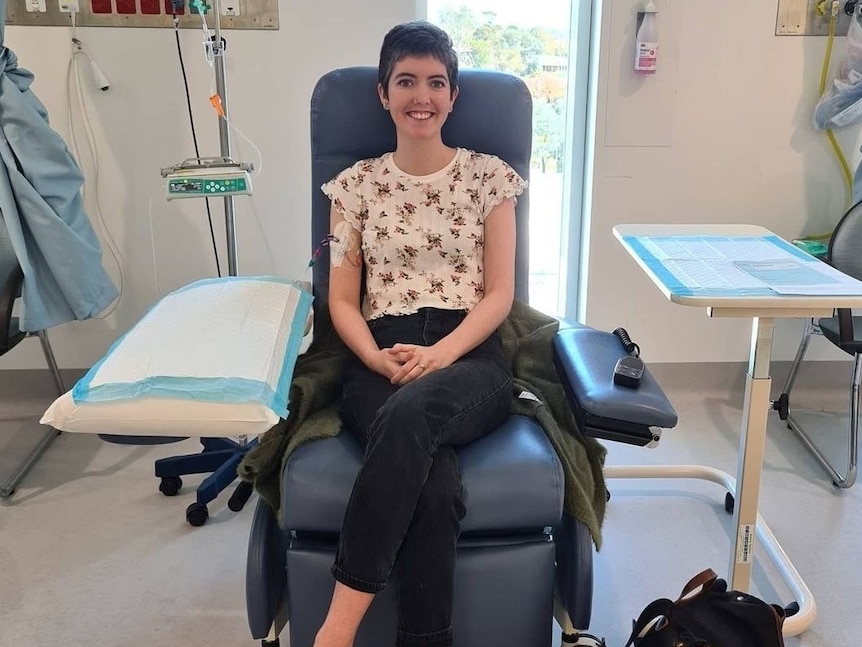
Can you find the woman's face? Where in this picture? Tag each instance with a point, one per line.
(420, 97)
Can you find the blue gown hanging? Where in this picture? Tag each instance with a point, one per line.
(42, 207)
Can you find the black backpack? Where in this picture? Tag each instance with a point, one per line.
(710, 617)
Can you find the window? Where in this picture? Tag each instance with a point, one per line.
(529, 40)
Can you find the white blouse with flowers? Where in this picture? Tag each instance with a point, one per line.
(422, 236)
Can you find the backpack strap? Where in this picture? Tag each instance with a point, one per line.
(649, 617)
(703, 580)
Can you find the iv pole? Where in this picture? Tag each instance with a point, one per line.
(224, 137)
(244, 489)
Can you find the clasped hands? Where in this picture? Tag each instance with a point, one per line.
(403, 363)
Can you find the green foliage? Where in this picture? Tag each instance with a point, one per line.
(482, 42)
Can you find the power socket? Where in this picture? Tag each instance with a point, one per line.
(230, 8)
(36, 6)
(69, 6)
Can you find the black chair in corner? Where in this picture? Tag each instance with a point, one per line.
(844, 331)
(11, 280)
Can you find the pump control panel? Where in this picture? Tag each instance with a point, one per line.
(207, 179)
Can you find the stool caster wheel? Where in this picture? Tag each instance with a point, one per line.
(170, 485)
(240, 496)
(270, 643)
(197, 514)
(729, 503)
(782, 406)
(791, 609)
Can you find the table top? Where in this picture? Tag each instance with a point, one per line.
(732, 290)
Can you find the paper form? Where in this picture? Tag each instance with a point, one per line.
(793, 277)
(735, 265)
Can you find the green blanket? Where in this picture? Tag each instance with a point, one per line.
(526, 335)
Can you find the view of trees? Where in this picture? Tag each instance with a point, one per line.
(536, 54)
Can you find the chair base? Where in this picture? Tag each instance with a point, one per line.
(8, 488)
(221, 457)
(505, 586)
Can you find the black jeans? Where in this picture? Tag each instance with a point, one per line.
(407, 499)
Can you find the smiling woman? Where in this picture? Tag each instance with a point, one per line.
(434, 227)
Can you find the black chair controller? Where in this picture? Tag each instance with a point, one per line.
(629, 369)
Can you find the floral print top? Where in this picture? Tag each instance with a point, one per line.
(422, 236)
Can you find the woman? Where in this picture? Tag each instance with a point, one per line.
(431, 229)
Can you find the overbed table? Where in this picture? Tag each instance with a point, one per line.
(763, 309)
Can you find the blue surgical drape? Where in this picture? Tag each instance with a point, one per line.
(42, 206)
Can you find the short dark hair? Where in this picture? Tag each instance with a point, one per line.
(417, 38)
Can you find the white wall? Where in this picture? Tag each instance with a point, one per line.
(721, 134)
(141, 125)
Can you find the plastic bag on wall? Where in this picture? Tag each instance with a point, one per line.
(841, 103)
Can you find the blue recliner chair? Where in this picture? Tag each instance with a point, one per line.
(518, 551)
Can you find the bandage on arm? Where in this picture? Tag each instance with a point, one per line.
(346, 245)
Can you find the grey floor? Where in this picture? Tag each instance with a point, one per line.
(92, 554)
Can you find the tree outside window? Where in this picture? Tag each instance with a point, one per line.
(536, 54)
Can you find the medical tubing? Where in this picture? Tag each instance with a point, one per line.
(842, 160)
(215, 100)
(631, 348)
(194, 135)
(72, 73)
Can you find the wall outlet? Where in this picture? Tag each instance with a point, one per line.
(230, 8)
(36, 6)
(810, 18)
(69, 6)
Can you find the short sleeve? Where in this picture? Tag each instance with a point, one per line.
(499, 181)
(344, 191)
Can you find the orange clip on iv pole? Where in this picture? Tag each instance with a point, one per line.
(215, 100)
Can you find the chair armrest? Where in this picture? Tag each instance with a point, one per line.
(265, 573)
(585, 358)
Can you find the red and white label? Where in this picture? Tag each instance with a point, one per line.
(646, 57)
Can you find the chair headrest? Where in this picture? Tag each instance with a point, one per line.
(493, 114)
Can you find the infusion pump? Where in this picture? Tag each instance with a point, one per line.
(207, 177)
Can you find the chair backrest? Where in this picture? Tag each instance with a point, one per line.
(493, 114)
(11, 277)
(845, 248)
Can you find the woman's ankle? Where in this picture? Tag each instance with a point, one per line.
(328, 637)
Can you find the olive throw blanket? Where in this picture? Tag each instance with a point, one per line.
(526, 335)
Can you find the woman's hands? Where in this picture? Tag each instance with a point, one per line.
(412, 361)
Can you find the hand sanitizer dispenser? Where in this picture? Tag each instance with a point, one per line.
(646, 48)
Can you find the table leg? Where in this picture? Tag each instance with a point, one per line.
(751, 445)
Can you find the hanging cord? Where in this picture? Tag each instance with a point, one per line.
(631, 348)
(194, 131)
(73, 74)
(824, 73)
(629, 369)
